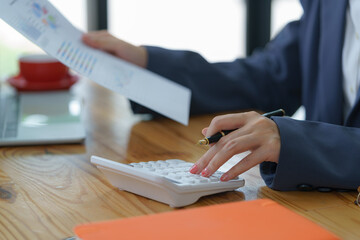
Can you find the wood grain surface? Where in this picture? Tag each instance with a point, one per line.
(47, 190)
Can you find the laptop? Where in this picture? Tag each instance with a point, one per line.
(37, 118)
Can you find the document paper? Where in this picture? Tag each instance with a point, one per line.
(43, 24)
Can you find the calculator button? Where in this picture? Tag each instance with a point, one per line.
(174, 161)
(172, 175)
(189, 180)
(217, 174)
(204, 180)
(214, 179)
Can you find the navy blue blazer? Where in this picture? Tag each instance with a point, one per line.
(301, 66)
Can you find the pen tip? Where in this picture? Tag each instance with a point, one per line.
(202, 142)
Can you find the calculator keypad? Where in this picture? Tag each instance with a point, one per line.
(176, 171)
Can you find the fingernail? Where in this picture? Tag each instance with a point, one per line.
(224, 177)
(194, 169)
(205, 172)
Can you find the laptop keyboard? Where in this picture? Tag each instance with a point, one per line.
(9, 116)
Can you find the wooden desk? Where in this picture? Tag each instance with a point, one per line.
(46, 190)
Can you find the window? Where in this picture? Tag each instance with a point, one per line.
(282, 12)
(213, 28)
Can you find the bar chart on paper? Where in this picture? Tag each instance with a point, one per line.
(79, 59)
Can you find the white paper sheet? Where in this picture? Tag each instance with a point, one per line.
(43, 24)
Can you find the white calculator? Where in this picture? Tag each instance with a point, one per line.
(168, 181)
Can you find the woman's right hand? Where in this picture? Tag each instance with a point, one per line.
(103, 40)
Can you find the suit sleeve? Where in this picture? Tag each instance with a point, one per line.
(268, 80)
(316, 154)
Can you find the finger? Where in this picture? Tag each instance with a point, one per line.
(251, 160)
(106, 43)
(200, 165)
(92, 41)
(229, 121)
(90, 37)
(87, 39)
(96, 34)
(100, 32)
(205, 159)
(231, 148)
(204, 131)
(223, 122)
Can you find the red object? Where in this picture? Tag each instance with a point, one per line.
(42, 68)
(42, 73)
(21, 84)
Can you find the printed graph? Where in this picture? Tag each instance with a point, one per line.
(43, 15)
(122, 77)
(79, 59)
(37, 20)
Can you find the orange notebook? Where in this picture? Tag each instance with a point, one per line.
(257, 219)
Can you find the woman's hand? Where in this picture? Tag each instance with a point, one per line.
(254, 132)
(105, 41)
